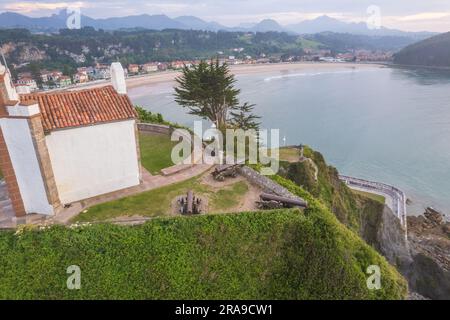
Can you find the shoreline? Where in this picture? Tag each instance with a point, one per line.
(237, 70)
(242, 70)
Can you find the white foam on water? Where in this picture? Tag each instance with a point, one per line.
(307, 74)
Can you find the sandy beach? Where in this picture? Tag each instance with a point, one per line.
(283, 68)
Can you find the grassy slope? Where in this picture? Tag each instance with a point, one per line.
(373, 196)
(319, 212)
(271, 255)
(308, 44)
(349, 208)
(155, 152)
(289, 154)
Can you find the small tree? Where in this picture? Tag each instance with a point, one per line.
(208, 91)
(243, 117)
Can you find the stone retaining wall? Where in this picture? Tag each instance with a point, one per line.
(155, 128)
(266, 184)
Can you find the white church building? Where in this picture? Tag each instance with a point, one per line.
(62, 147)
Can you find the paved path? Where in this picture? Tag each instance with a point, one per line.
(395, 198)
(150, 182)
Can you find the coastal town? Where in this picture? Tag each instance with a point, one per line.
(45, 80)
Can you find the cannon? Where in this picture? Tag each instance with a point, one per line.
(222, 172)
(270, 202)
(190, 204)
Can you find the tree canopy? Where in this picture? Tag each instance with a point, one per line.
(208, 91)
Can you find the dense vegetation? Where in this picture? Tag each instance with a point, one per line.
(350, 208)
(432, 52)
(208, 90)
(146, 116)
(271, 255)
(86, 46)
(71, 48)
(341, 42)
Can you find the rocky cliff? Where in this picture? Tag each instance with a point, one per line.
(423, 259)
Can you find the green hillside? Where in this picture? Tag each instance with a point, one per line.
(432, 52)
(350, 208)
(271, 255)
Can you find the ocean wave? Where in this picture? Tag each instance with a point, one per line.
(307, 74)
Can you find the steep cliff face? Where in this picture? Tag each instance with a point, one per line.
(423, 259)
(429, 242)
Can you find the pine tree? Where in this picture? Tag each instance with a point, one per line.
(242, 117)
(208, 91)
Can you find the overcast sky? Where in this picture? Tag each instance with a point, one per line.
(410, 15)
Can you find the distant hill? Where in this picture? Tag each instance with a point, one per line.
(56, 22)
(153, 22)
(195, 23)
(15, 20)
(328, 24)
(268, 25)
(432, 52)
(347, 41)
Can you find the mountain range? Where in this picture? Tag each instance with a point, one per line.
(159, 22)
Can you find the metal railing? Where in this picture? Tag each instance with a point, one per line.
(397, 195)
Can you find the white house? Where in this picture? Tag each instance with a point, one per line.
(59, 148)
(150, 67)
(27, 81)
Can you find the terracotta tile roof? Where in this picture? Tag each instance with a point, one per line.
(80, 108)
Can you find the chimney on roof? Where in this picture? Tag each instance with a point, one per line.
(118, 78)
(7, 90)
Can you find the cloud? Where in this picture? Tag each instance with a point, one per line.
(425, 16)
(433, 15)
(168, 7)
(27, 7)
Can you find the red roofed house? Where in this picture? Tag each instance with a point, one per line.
(133, 68)
(59, 148)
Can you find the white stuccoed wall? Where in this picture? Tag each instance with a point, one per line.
(94, 160)
(26, 166)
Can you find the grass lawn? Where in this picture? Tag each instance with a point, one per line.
(228, 197)
(289, 154)
(158, 202)
(156, 152)
(372, 196)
